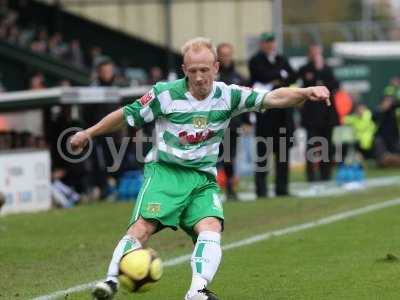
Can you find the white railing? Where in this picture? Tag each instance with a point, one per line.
(70, 95)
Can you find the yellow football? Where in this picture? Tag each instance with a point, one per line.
(140, 269)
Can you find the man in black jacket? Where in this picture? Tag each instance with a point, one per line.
(387, 138)
(269, 70)
(318, 120)
(229, 75)
(101, 157)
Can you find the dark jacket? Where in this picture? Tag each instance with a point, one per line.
(388, 128)
(229, 75)
(266, 72)
(93, 113)
(318, 114)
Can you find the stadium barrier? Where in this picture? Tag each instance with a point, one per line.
(25, 180)
(68, 95)
(25, 174)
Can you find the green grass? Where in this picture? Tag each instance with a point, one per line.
(45, 252)
(346, 260)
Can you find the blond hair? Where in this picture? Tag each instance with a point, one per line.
(198, 43)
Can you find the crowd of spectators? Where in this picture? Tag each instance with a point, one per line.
(19, 29)
(377, 129)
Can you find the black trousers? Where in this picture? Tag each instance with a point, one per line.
(227, 154)
(101, 160)
(281, 167)
(319, 170)
(274, 130)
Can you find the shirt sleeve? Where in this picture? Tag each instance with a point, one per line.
(244, 99)
(143, 110)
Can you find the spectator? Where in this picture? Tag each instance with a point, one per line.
(364, 129)
(269, 70)
(37, 82)
(393, 89)
(64, 83)
(40, 142)
(101, 158)
(13, 35)
(74, 175)
(38, 47)
(10, 143)
(318, 120)
(62, 195)
(229, 75)
(10, 18)
(57, 47)
(26, 37)
(28, 140)
(15, 140)
(343, 104)
(155, 75)
(106, 74)
(227, 71)
(2, 141)
(39, 44)
(387, 141)
(95, 57)
(2, 87)
(75, 54)
(3, 31)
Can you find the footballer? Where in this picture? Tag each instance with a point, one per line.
(180, 188)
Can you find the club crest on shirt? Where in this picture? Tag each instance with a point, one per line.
(200, 122)
(154, 208)
(147, 98)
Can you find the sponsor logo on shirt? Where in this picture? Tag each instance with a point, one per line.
(195, 138)
(147, 98)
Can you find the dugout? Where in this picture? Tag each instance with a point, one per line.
(26, 111)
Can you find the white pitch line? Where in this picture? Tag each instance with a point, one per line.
(248, 241)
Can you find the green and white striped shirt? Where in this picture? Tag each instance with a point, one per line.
(189, 131)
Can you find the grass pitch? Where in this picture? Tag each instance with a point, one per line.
(352, 259)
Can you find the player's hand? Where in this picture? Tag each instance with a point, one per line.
(319, 93)
(79, 140)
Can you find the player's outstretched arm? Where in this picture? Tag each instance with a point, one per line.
(288, 97)
(109, 123)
